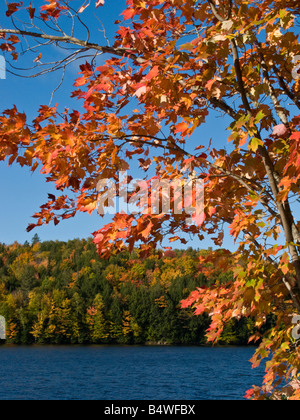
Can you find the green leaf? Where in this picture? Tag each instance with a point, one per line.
(255, 143)
(259, 116)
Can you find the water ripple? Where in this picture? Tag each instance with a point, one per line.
(126, 373)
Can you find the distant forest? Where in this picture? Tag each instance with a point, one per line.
(63, 293)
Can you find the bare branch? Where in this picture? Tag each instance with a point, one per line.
(73, 41)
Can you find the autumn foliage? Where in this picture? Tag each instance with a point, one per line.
(63, 293)
(173, 65)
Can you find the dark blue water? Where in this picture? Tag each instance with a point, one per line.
(126, 373)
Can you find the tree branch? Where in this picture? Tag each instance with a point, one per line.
(75, 41)
(279, 111)
(219, 103)
(285, 88)
(283, 208)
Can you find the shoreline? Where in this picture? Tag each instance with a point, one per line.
(148, 344)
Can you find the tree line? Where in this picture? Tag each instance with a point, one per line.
(63, 293)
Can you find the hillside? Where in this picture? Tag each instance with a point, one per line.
(63, 293)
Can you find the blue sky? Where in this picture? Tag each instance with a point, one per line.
(22, 192)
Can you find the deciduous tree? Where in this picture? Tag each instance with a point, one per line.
(173, 65)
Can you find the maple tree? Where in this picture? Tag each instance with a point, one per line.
(173, 64)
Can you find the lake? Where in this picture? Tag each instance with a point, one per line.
(126, 373)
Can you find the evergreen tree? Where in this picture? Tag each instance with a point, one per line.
(62, 292)
(35, 239)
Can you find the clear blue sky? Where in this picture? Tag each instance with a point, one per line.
(22, 192)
